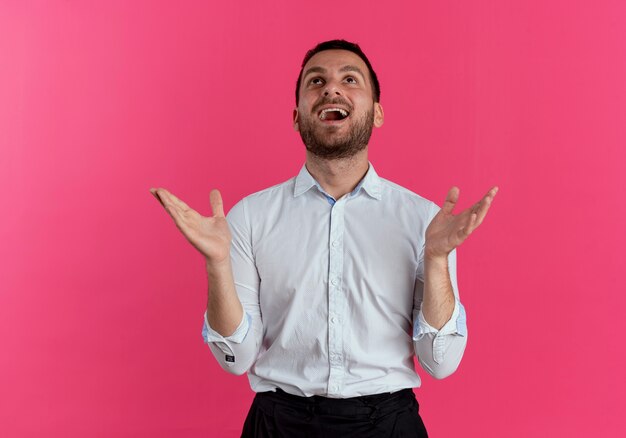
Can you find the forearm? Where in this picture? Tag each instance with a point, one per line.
(224, 310)
(438, 303)
(233, 328)
(233, 335)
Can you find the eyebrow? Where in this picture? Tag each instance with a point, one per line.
(345, 68)
(353, 68)
(313, 70)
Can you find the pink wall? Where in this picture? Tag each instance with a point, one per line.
(101, 299)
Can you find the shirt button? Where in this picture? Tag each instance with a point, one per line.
(335, 388)
(333, 320)
(334, 281)
(335, 243)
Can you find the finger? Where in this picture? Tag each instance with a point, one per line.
(171, 199)
(481, 208)
(168, 201)
(451, 200)
(216, 203)
(162, 195)
(484, 208)
(485, 204)
(490, 194)
(155, 194)
(468, 228)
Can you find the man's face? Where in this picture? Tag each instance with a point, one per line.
(336, 111)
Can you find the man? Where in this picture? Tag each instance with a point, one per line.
(324, 287)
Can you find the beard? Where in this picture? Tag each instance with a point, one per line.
(321, 141)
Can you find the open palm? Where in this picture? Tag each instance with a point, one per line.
(209, 235)
(447, 231)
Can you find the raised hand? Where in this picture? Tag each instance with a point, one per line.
(209, 235)
(447, 231)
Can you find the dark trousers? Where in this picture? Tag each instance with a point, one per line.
(278, 414)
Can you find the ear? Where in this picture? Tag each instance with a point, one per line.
(379, 115)
(296, 127)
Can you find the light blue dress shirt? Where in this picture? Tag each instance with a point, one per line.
(332, 291)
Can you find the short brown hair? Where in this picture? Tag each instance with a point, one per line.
(340, 45)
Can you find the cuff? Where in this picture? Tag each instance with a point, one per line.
(210, 335)
(457, 324)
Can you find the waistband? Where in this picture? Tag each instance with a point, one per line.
(367, 406)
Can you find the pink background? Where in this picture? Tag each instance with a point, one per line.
(101, 298)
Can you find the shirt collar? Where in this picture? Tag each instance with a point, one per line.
(371, 183)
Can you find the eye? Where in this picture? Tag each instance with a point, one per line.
(316, 81)
(351, 80)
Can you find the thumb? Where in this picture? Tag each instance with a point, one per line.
(216, 203)
(451, 199)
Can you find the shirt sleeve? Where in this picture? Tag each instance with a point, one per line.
(236, 353)
(439, 352)
(210, 335)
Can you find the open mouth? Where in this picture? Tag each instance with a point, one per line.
(333, 114)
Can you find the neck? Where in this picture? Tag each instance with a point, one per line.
(338, 177)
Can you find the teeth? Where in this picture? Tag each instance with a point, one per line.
(341, 111)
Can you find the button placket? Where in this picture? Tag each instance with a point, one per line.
(336, 298)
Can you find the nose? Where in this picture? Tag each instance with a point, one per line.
(332, 90)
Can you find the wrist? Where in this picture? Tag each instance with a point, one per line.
(217, 266)
(434, 258)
